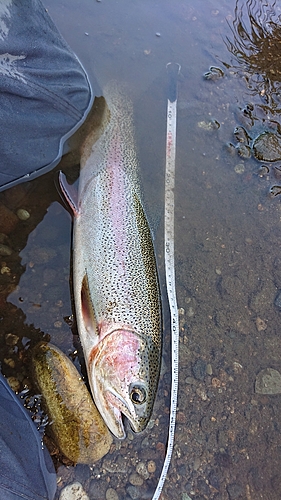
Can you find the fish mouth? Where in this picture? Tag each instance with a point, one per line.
(114, 401)
(120, 408)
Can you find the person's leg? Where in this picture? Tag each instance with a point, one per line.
(26, 469)
(45, 94)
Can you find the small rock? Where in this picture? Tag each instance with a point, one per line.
(196, 463)
(210, 125)
(191, 381)
(151, 466)
(239, 168)
(244, 151)
(260, 300)
(142, 470)
(237, 367)
(118, 466)
(139, 492)
(10, 362)
(263, 171)
(23, 214)
(97, 489)
(214, 73)
(11, 339)
(199, 369)
(111, 494)
(73, 491)
(260, 324)
(135, 479)
(268, 381)
(209, 369)
(241, 135)
(234, 490)
(201, 392)
(14, 383)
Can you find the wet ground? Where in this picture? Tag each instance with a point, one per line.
(228, 233)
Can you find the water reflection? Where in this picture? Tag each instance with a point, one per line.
(255, 46)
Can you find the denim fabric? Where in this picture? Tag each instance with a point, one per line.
(26, 469)
(45, 93)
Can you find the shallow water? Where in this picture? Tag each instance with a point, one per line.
(228, 232)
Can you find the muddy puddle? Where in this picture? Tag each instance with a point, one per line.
(228, 234)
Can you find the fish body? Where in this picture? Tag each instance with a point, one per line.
(116, 289)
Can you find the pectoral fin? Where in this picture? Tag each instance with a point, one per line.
(88, 312)
(69, 194)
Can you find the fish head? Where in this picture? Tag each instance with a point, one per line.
(121, 380)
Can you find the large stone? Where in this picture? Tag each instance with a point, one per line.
(76, 424)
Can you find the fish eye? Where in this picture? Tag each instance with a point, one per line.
(138, 395)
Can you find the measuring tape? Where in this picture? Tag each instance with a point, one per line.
(173, 71)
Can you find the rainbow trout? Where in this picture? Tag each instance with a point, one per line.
(116, 288)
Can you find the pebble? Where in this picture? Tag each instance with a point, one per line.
(23, 214)
(239, 168)
(142, 470)
(263, 171)
(260, 324)
(119, 466)
(210, 125)
(14, 383)
(214, 73)
(234, 490)
(244, 151)
(190, 381)
(133, 492)
(237, 367)
(199, 369)
(135, 479)
(196, 463)
(97, 489)
(151, 466)
(138, 492)
(73, 491)
(241, 135)
(10, 362)
(209, 369)
(11, 339)
(111, 494)
(268, 381)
